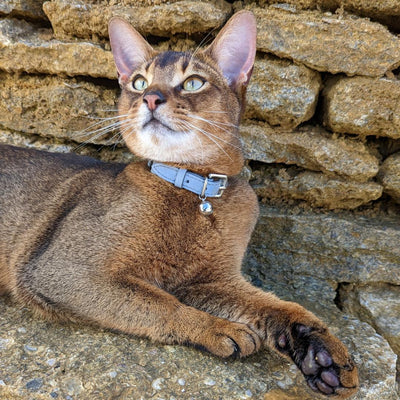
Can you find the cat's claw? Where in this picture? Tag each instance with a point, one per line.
(322, 359)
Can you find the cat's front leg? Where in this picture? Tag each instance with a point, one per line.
(137, 307)
(286, 327)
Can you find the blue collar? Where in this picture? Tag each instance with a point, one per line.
(212, 186)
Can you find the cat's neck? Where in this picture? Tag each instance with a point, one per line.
(230, 169)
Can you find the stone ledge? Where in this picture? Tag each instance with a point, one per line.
(310, 148)
(90, 19)
(24, 48)
(31, 9)
(312, 38)
(282, 93)
(318, 190)
(363, 106)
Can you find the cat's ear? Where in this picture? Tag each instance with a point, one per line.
(234, 48)
(128, 46)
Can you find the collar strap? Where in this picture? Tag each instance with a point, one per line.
(212, 186)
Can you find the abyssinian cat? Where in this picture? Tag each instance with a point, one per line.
(155, 248)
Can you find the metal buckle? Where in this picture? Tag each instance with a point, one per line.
(223, 186)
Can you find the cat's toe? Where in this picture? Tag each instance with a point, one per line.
(229, 339)
(323, 360)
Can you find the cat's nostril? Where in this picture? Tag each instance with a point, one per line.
(153, 99)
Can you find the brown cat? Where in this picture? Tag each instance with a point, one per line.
(155, 249)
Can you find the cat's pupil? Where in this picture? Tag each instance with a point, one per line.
(192, 84)
(140, 84)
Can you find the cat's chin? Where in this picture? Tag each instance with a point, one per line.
(157, 127)
(156, 141)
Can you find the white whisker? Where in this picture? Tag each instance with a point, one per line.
(218, 138)
(209, 135)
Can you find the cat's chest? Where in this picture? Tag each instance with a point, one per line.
(163, 237)
(171, 241)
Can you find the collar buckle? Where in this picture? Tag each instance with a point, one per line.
(223, 185)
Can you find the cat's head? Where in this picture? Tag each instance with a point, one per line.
(181, 107)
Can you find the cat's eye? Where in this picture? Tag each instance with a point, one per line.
(192, 84)
(140, 83)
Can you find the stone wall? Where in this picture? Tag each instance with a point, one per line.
(321, 133)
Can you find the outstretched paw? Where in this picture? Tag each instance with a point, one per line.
(322, 358)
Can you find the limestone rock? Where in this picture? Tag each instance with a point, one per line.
(56, 107)
(44, 360)
(31, 9)
(24, 48)
(364, 106)
(389, 176)
(385, 11)
(90, 18)
(336, 247)
(310, 148)
(315, 188)
(320, 41)
(379, 305)
(282, 93)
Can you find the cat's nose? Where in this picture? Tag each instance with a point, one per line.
(153, 99)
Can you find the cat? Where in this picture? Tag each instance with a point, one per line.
(154, 248)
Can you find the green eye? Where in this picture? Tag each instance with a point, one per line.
(140, 83)
(193, 84)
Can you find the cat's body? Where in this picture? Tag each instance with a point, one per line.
(119, 246)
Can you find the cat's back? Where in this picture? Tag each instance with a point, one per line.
(29, 172)
(37, 184)
(23, 162)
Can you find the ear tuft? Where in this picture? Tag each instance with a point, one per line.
(234, 48)
(128, 46)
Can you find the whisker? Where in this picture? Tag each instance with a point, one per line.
(212, 122)
(105, 130)
(216, 112)
(223, 140)
(180, 125)
(203, 41)
(209, 135)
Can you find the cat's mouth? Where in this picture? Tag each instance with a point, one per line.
(156, 125)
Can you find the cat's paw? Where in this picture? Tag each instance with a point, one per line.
(322, 358)
(225, 339)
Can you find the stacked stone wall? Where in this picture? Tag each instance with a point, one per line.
(321, 131)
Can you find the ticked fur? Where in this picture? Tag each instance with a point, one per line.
(116, 246)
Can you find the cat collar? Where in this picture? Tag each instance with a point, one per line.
(211, 186)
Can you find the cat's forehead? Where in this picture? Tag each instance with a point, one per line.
(173, 66)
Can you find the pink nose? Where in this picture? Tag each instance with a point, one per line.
(153, 99)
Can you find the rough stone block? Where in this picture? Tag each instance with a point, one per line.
(282, 93)
(379, 305)
(24, 48)
(338, 247)
(320, 41)
(90, 18)
(315, 188)
(363, 106)
(55, 107)
(31, 9)
(389, 176)
(310, 148)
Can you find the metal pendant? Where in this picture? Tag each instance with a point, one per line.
(206, 208)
